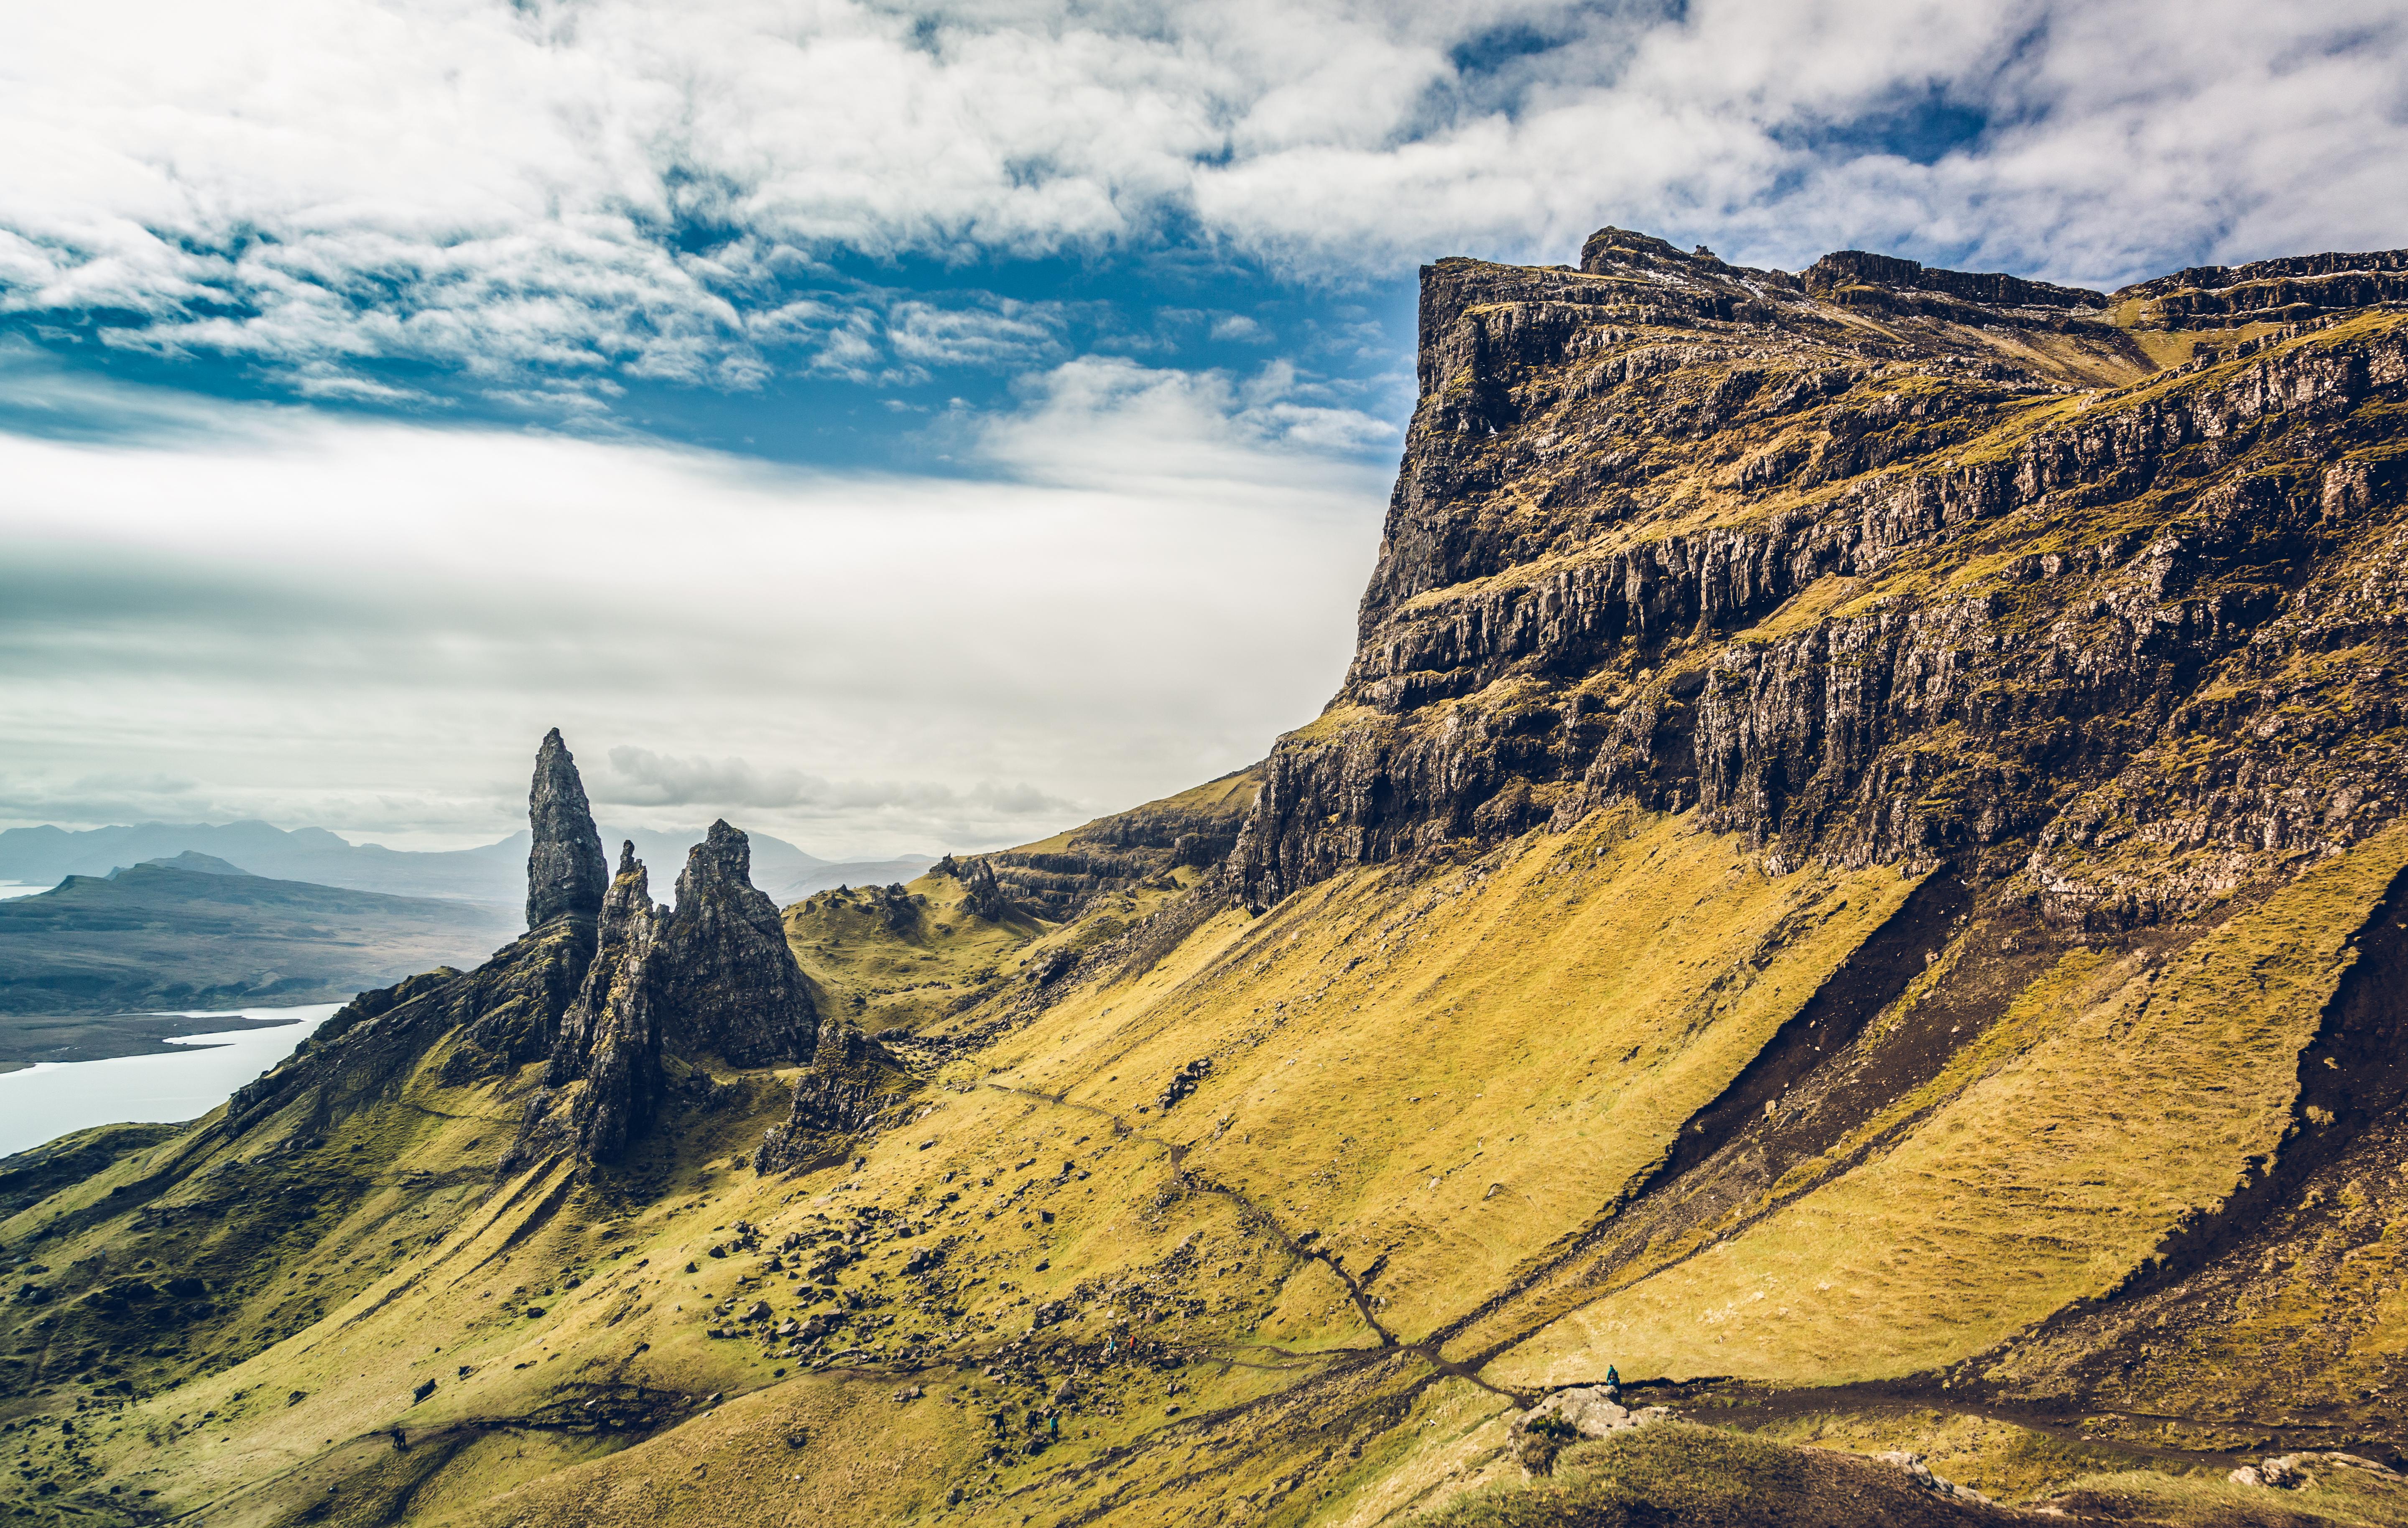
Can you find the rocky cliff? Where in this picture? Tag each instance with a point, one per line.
(610, 1038)
(1059, 877)
(1853, 883)
(1883, 563)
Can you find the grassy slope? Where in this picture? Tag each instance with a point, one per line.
(2115, 1097)
(1457, 1081)
(1384, 1049)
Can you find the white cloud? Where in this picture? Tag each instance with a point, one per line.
(368, 626)
(1106, 420)
(634, 186)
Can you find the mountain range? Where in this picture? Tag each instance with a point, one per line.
(1840, 956)
(494, 871)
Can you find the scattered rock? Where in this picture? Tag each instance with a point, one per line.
(424, 1390)
(1183, 1082)
(1567, 1416)
(1921, 1473)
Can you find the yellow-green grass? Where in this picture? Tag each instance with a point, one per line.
(1452, 1075)
(1997, 1458)
(2331, 1494)
(2114, 1101)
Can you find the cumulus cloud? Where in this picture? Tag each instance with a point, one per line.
(640, 189)
(1101, 420)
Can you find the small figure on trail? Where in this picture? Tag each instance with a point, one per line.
(1614, 1384)
(1054, 1425)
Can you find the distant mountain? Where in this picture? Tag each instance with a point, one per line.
(195, 861)
(194, 931)
(494, 873)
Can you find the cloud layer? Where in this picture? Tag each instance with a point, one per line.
(368, 626)
(615, 191)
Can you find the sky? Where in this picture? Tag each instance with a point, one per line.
(906, 428)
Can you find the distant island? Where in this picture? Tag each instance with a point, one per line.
(197, 932)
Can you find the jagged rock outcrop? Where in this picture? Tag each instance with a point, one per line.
(1978, 580)
(566, 873)
(713, 981)
(852, 1085)
(728, 985)
(983, 895)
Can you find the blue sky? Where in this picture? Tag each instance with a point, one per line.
(914, 426)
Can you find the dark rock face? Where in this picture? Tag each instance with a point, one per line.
(566, 873)
(1061, 877)
(1875, 280)
(610, 1036)
(1981, 583)
(502, 1015)
(728, 985)
(852, 1085)
(714, 980)
(2291, 290)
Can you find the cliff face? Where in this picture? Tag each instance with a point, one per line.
(1059, 877)
(1883, 563)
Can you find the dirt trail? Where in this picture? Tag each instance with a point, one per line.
(1427, 1349)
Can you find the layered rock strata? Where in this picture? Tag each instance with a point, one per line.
(1060, 877)
(566, 873)
(1885, 564)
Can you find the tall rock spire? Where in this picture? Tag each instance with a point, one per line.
(566, 870)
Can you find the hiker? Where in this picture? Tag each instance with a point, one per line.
(1614, 1384)
(1054, 1425)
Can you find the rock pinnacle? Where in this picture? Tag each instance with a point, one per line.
(566, 870)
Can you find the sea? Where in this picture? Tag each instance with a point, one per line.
(46, 1100)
